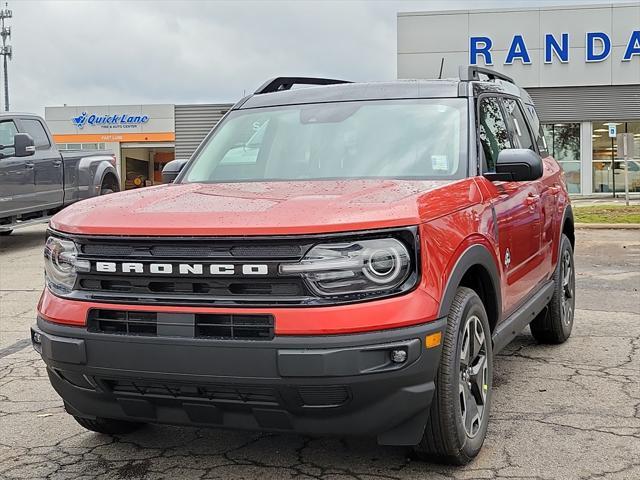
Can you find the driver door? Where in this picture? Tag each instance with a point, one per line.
(17, 174)
(516, 205)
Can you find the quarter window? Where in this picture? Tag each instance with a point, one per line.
(493, 133)
(538, 131)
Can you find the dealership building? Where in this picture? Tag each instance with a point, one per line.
(580, 64)
(143, 137)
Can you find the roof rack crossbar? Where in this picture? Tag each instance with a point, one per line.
(285, 83)
(472, 73)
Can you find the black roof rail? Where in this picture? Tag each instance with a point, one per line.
(472, 73)
(285, 83)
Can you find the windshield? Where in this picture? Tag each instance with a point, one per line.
(415, 139)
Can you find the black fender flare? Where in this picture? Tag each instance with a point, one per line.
(568, 215)
(474, 255)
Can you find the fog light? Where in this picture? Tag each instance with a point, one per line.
(36, 339)
(398, 356)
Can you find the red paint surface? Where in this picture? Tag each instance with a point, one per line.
(410, 309)
(452, 217)
(254, 208)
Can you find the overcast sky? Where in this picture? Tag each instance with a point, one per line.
(110, 52)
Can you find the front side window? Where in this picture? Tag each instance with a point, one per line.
(518, 125)
(493, 133)
(7, 132)
(37, 132)
(421, 139)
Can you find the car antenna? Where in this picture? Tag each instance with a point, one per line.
(441, 66)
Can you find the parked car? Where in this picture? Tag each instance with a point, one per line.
(38, 180)
(343, 259)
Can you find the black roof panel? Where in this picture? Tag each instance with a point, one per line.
(398, 89)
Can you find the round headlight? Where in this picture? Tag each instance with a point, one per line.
(367, 266)
(383, 265)
(60, 262)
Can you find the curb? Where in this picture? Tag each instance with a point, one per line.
(608, 226)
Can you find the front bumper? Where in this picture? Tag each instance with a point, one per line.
(334, 385)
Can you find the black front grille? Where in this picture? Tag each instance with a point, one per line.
(123, 322)
(192, 250)
(205, 288)
(191, 274)
(220, 288)
(241, 394)
(189, 325)
(323, 395)
(253, 327)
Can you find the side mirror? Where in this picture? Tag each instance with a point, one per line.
(23, 145)
(519, 165)
(172, 169)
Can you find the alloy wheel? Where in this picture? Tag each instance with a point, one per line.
(473, 384)
(568, 288)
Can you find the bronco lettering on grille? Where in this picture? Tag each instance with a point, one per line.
(182, 268)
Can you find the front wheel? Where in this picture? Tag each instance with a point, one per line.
(554, 324)
(109, 185)
(459, 415)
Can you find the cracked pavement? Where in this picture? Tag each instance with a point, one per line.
(559, 412)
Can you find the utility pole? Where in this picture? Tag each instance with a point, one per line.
(5, 51)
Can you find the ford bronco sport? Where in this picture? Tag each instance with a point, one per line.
(345, 258)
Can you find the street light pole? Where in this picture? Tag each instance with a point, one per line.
(5, 51)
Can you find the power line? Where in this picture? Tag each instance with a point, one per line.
(6, 50)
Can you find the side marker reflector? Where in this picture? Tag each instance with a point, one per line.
(433, 340)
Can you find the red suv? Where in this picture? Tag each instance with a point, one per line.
(345, 258)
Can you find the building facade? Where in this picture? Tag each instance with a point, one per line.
(143, 137)
(580, 64)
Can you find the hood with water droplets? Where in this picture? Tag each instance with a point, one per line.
(252, 208)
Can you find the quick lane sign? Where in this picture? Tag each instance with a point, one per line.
(109, 121)
(597, 48)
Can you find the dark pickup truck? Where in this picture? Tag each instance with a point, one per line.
(37, 180)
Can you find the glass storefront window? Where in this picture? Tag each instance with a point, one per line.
(563, 140)
(608, 166)
(80, 146)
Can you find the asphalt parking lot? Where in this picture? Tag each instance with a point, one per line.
(570, 411)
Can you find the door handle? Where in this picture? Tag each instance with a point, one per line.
(57, 163)
(532, 199)
(554, 190)
(29, 165)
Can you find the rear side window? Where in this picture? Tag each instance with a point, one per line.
(537, 130)
(518, 125)
(493, 133)
(36, 130)
(7, 131)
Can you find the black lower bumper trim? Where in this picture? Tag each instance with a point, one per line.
(335, 385)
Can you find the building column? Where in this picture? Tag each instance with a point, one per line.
(586, 158)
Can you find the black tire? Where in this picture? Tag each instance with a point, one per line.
(109, 185)
(555, 323)
(446, 438)
(108, 426)
(5, 233)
